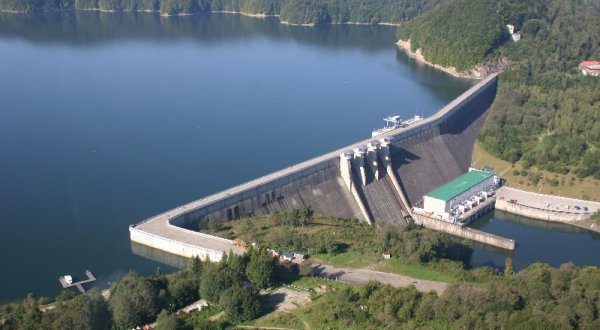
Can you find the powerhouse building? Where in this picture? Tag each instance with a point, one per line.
(454, 198)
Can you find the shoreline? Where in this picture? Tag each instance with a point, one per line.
(406, 46)
(247, 14)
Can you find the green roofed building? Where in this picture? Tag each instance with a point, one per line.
(459, 193)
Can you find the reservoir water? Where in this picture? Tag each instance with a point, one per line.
(108, 118)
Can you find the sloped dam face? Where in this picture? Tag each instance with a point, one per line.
(382, 189)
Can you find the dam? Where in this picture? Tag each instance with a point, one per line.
(376, 180)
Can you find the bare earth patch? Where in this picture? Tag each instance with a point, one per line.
(283, 300)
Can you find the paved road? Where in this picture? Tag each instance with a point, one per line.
(362, 276)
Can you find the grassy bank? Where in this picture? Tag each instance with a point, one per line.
(537, 180)
(416, 252)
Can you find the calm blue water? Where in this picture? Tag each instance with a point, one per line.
(552, 243)
(106, 119)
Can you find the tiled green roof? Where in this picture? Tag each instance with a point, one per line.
(459, 185)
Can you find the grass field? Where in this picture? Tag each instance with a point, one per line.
(396, 266)
(566, 185)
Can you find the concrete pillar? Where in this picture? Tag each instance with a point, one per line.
(346, 160)
(359, 161)
(372, 159)
(346, 168)
(384, 151)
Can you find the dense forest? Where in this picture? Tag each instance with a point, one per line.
(291, 11)
(458, 33)
(546, 112)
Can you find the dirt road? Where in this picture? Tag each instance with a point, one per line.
(362, 276)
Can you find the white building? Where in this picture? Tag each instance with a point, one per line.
(460, 194)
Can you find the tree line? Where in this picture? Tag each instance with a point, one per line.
(231, 284)
(539, 297)
(292, 11)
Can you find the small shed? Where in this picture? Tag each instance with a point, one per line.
(386, 255)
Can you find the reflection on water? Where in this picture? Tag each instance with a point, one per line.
(159, 256)
(89, 28)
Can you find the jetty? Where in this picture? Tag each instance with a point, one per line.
(79, 284)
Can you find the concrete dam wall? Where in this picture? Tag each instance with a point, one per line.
(319, 187)
(375, 180)
(426, 161)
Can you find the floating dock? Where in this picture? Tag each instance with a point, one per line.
(79, 284)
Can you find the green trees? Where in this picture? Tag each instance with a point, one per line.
(170, 321)
(134, 300)
(415, 244)
(361, 11)
(545, 113)
(240, 303)
(215, 282)
(86, 312)
(459, 33)
(260, 268)
(539, 297)
(292, 11)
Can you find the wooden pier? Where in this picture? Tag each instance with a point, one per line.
(79, 284)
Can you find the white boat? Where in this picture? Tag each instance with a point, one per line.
(393, 122)
(68, 279)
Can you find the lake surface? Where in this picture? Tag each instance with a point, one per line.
(107, 119)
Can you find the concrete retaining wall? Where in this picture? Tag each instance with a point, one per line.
(465, 232)
(171, 246)
(541, 214)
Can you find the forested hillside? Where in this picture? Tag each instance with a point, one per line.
(459, 33)
(291, 11)
(546, 112)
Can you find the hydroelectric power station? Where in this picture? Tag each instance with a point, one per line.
(377, 180)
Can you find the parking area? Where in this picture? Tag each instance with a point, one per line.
(547, 202)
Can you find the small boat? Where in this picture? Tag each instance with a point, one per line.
(68, 279)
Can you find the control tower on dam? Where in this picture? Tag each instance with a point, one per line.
(376, 180)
